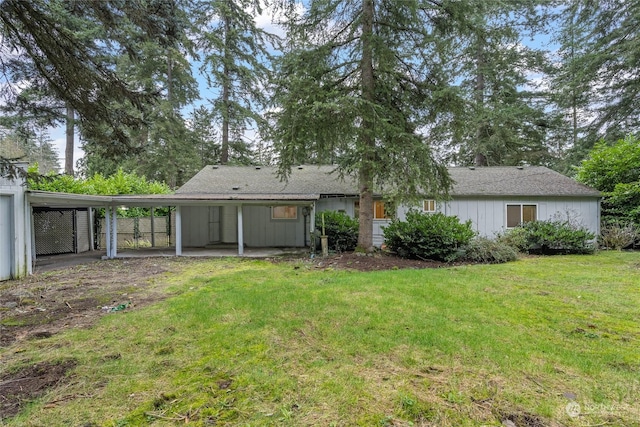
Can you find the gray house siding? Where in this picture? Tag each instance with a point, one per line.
(489, 216)
(344, 204)
(261, 230)
(195, 226)
(202, 224)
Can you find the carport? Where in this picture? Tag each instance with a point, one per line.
(233, 202)
(44, 199)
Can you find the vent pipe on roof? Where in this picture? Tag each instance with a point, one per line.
(300, 168)
(520, 167)
(235, 188)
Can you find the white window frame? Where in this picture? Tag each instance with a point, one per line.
(429, 201)
(273, 217)
(521, 205)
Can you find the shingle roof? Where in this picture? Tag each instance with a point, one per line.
(516, 181)
(263, 180)
(323, 180)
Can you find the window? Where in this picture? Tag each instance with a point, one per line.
(520, 214)
(284, 212)
(381, 211)
(429, 205)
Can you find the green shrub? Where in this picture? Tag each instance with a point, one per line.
(551, 237)
(488, 251)
(515, 238)
(340, 228)
(428, 236)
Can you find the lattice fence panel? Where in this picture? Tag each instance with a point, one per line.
(54, 231)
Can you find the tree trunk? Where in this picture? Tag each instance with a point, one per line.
(226, 83)
(170, 79)
(574, 99)
(480, 157)
(367, 137)
(68, 151)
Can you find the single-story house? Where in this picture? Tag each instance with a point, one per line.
(250, 204)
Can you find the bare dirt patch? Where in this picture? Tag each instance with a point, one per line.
(43, 304)
(28, 384)
(368, 262)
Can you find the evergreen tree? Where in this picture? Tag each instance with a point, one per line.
(364, 80)
(166, 150)
(205, 136)
(32, 145)
(572, 88)
(600, 73)
(235, 62)
(503, 120)
(70, 47)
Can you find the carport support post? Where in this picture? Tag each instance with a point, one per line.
(312, 226)
(92, 229)
(240, 236)
(153, 227)
(107, 235)
(178, 231)
(114, 232)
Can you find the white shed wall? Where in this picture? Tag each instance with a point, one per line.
(15, 229)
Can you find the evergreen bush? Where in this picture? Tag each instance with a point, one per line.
(488, 251)
(432, 236)
(340, 228)
(550, 238)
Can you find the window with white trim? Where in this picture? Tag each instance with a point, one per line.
(520, 214)
(429, 205)
(284, 212)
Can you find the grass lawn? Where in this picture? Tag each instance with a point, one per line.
(246, 342)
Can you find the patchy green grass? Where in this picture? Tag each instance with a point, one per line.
(252, 343)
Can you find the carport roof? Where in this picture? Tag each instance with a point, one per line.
(66, 200)
(69, 200)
